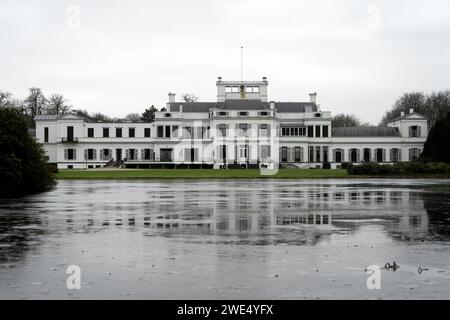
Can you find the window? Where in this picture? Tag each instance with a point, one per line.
(414, 131)
(118, 132)
(318, 115)
(131, 132)
(284, 154)
(317, 154)
(379, 154)
(248, 89)
(338, 155)
(311, 154)
(167, 131)
(174, 131)
(264, 113)
(325, 154)
(255, 89)
(310, 131)
(106, 154)
(131, 154)
(188, 132)
(90, 154)
(167, 115)
(243, 151)
(325, 131)
(160, 131)
(265, 152)
(222, 113)
(222, 128)
(70, 133)
(414, 154)
(395, 155)
(264, 130)
(227, 89)
(317, 131)
(105, 132)
(70, 154)
(46, 134)
(366, 155)
(243, 113)
(297, 154)
(148, 154)
(147, 132)
(243, 129)
(205, 132)
(191, 155)
(353, 155)
(235, 89)
(90, 132)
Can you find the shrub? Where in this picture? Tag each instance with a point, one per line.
(403, 168)
(326, 165)
(346, 165)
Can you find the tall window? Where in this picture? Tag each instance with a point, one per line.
(46, 134)
(105, 132)
(325, 154)
(90, 132)
(297, 154)
(325, 131)
(311, 154)
(243, 129)
(160, 131)
(90, 154)
(147, 132)
(379, 154)
(188, 132)
(366, 154)
(70, 133)
(222, 130)
(414, 131)
(395, 155)
(118, 132)
(284, 154)
(317, 154)
(414, 154)
(263, 130)
(131, 132)
(265, 152)
(70, 154)
(353, 155)
(317, 131)
(310, 131)
(167, 131)
(243, 151)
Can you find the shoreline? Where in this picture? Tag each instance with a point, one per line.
(198, 174)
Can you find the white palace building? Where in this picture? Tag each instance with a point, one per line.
(241, 129)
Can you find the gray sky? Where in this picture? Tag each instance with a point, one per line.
(122, 56)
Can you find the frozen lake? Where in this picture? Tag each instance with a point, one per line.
(233, 239)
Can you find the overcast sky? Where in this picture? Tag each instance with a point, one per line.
(118, 57)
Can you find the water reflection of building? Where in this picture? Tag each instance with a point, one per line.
(246, 210)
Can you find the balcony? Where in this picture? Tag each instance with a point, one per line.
(69, 140)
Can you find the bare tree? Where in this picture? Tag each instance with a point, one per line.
(35, 102)
(56, 104)
(5, 99)
(347, 120)
(133, 117)
(100, 117)
(189, 97)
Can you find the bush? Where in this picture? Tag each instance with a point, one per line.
(402, 168)
(326, 165)
(346, 165)
(23, 169)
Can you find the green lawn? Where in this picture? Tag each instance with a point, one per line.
(197, 174)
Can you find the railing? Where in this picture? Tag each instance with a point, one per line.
(69, 140)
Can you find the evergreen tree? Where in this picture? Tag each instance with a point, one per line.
(436, 147)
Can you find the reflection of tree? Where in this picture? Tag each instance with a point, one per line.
(18, 230)
(437, 206)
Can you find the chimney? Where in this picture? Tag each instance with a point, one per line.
(265, 79)
(411, 110)
(272, 105)
(181, 108)
(313, 97)
(402, 113)
(171, 97)
(219, 79)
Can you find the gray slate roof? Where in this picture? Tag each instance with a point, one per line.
(46, 117)
(293, 107)
(365, 132)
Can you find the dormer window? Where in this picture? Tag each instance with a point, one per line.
(414, 131)
(243, 113)
(167, 115)
(222, 113)
(318, 115)
(264, 113)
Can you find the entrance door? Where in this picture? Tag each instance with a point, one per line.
(118, 154)
(165, 155)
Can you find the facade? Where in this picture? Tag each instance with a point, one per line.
(242, 129)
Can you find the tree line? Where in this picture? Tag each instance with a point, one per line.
(36, 103)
